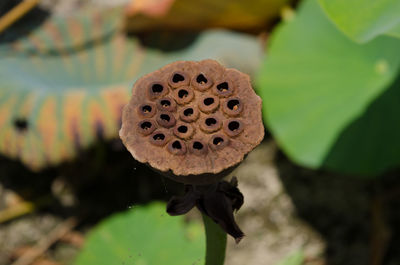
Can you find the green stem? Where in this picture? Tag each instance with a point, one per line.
(215, 242)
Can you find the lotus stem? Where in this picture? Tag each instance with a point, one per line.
(215, 242)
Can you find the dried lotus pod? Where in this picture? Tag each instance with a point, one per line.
(192, 121)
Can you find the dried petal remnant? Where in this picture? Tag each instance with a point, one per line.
(193, 121)
(218, 201)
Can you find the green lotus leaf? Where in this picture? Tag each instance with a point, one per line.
(144, 235)
(363, 20)
(61, 98)
(395, 32)
(325, 96)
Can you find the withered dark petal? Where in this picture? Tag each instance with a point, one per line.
(218, 207)
(232, 192)
(179, 205)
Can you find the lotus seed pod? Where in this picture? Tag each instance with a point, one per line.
(192, 121)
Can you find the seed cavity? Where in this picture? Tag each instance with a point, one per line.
(233, 104)
(182, 129)
(218, 141)
(147, 109)
(201, 79)
(159, 137)
(176, 145)
(165, 103)
(188, 112)
(210, 121)
(210, 124)
(166, 120)
(146, 125)
(157, 88)
(233, 125)
(198, 145)
(209, 104)
(183, 93)
(208, 101)
(233, 107)
(178, 78)
(223, 87)
(165, 117)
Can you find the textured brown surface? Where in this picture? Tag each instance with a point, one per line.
(225, 122)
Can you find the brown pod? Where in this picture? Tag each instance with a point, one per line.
(196, 126)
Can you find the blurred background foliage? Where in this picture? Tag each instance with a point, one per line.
(329, 101)
(328, 74)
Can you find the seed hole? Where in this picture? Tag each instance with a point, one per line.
(176, 145)
(188, 112)
(157, 88)
(210, 121)
(233, 125)
(197, 145)
(146, 125)
(223, 87)
(159, 137)
(218, 141)
(182, 129)
(165, 117)
(177, 78)
(146, 108)
(183, 93)
(201, 79)
(233, 104)
(165, 103)
(208, 101)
